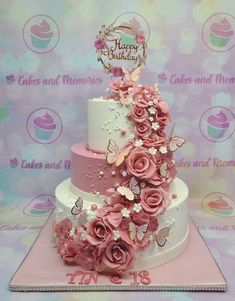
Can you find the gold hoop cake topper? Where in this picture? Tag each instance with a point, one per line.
(122, 49)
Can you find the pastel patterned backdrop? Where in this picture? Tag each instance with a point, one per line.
(48, 70)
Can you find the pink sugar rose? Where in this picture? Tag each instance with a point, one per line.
(143, 130)
(140, 163)
(120, 87)
(100, 44)
(63, 228)
(154, 200)
(111, 215)
(118, 256)
(98, 234)
(139, 114)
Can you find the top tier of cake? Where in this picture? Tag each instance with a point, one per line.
(107, 119)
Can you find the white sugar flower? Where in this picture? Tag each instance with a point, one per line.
(116, 235)
(90, 215)
(137, 207)
(124, 173)
(150, 118)
(83, 235)
(150, 103)
(163, 149)
(72, 232)
(152, 151)
(155, 126)
(125, 212)
(138, 142)
(152, 110)
(155, 101)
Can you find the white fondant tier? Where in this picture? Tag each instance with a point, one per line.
(107, 119)
(175, 217)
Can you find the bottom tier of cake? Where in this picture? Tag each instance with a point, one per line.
(172, 233)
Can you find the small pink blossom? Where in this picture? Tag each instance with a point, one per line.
(140, 38)
(100, 44)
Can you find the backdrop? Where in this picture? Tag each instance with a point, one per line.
(48, 70)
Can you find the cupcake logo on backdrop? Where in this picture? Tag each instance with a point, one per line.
(40, 205)
(218, 203)
(218, 32)
(44, 125)
(217, 124)
(41, 34)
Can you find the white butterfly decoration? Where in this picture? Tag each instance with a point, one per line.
(164, 169)
(115, 155)
(78, 212)
(130, 192)
(137, 231)
(175, 143)
(162, 235)
(132, 76)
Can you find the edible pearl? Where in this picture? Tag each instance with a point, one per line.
(93, 207)
(113, 173)
(101, 173)
(123, 132)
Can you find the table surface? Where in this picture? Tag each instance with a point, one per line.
(18, 231)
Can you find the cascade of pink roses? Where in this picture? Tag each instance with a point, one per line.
(120, 228)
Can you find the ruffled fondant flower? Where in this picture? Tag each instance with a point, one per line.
(98, 234)
(62, 229)
(154, 141)
(69, 250)
(140, 163)
(118, 256)
(120, 88)
(111, 215)
(154, 200)
(143, 130)
(144, 95)
(139, 114)
(162, 115)
(89, 256)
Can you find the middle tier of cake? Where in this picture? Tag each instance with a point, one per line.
(90, 171)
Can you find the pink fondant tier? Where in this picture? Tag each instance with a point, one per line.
(90, 171)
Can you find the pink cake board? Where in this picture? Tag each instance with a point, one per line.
(43, 270)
